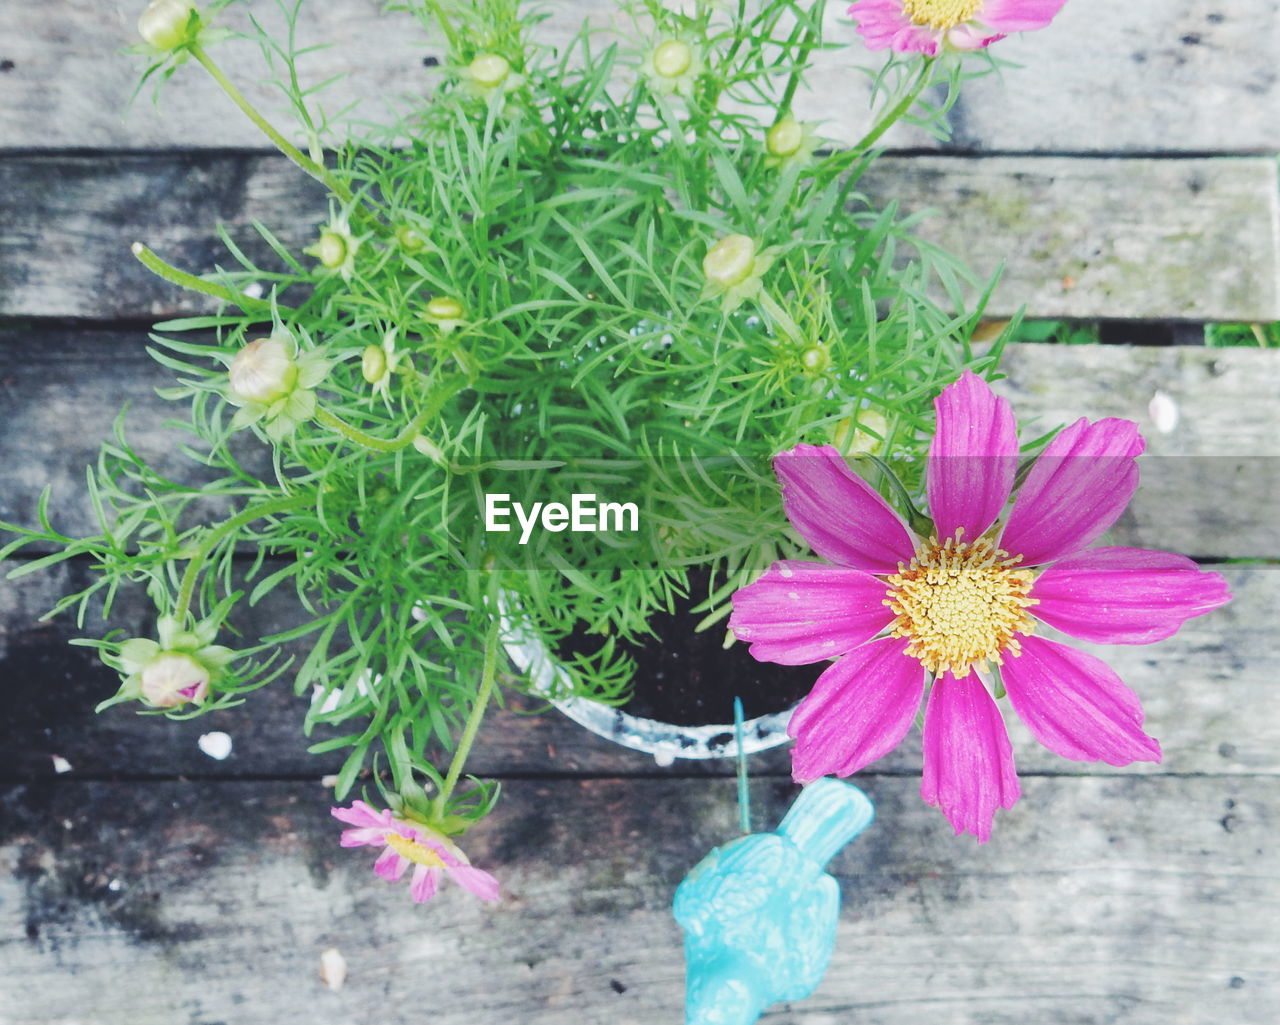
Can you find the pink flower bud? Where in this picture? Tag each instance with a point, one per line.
(173, 678)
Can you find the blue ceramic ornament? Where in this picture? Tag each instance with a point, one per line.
(759, 914)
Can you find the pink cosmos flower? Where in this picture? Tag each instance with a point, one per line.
(892, 608)
(926, 26)
(406, 843)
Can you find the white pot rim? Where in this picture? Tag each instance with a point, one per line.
(665, 741)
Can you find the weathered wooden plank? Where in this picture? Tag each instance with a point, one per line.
(1147, 76)
(66, 225)
(1143, 901)
(1195, 239)
(1202, 691)
(1210, 475)
(1153, 239)
(1209, 482)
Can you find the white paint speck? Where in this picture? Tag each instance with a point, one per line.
(61, 765)
(216, 745)
(333, 968)
(1164, 412)
(322, 701)
(115, 886)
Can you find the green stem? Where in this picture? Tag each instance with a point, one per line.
(402, 440)
(169, 272)
(187, 587)
(488, 677)
(837, 163)
(317, 171)
(793, 83)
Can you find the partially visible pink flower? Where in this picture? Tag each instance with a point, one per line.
(927, 26)
(405, 843)
(896, 609)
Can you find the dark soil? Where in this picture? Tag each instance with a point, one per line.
(690, 679)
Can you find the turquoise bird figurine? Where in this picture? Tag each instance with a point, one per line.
(759, 914)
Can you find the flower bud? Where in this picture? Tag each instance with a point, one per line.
(815, 359)
(444, 307)
(373, 363)
(672, 58)
(173, 678)
(851, 439)
(164, 23)
(730, 261)
(331, 249)
(489, 70)
(264, 371)
(409, 240)
(784, 138)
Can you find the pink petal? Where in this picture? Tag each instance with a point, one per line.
(425, 883)
(1125, 595)
(973, 458)
(1019, 15)
(879, 21)
(1076, 705)
(968, 760)
(842, 517)
(360, 814)
(969, 37)
(390, 864)
(1077, 489)
(913, 38)
(858, 711)
(802, 612)
(476, 881)
(362, 837)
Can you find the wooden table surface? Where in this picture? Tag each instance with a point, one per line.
(1128, 171)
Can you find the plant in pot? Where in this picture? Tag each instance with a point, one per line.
(520, 393)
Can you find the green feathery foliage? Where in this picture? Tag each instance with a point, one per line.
(565, 202)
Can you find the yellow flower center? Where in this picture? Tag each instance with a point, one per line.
(960, 604)
(941, 14)
(418, 853)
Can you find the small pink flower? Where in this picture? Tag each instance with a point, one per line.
(406, 843)
(926, 26)
(895, 608)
